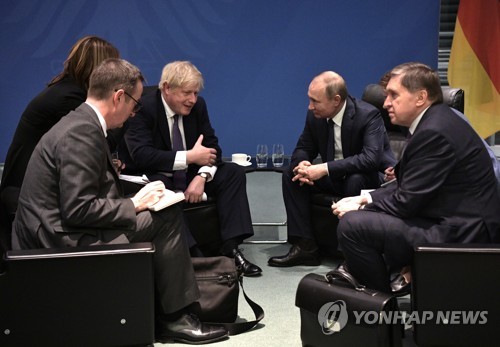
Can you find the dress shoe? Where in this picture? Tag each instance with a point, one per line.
(342, 267)
(345, 274)
(400, 287)
(189, 329)
(295, 257)
(247, 268)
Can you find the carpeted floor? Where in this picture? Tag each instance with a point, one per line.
(275, 289)
(275, 292)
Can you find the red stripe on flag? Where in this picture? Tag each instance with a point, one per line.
(480, 22)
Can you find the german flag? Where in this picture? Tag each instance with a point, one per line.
(475, 62)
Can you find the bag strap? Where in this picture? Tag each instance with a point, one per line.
(340, 274)
(240, 327)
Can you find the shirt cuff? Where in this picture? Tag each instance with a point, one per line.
(210, 170)
(180, 162)
(369, 198)
(325, 166)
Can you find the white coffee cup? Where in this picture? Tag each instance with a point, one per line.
(241, 158)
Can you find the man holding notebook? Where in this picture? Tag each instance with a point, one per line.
(71, 196)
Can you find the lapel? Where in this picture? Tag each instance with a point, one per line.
(162, 122)
(189, 123)
(110, 168)
(400, 166)
(318, 132)
(323, 132)
(397, 170)
(347, 124)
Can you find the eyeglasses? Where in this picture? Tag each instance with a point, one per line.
(138, 104)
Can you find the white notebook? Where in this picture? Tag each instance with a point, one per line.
(168, 198)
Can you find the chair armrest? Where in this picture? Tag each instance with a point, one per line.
(458, 248)
(82, 251)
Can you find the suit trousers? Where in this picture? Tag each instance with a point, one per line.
(297, 198)
(174, 275)
(229, 188)
(373, 243)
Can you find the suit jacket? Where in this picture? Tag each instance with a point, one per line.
(445, 176)
(148, 143)
(71, 188)
(365, 144)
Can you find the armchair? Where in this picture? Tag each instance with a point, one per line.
(82, 296)
(456, 281)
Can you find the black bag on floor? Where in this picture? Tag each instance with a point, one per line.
(336, 311)
(219, 281)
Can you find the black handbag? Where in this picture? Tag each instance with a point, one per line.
(219, 281)
(335, 310)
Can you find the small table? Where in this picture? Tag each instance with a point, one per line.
(274, 224)
(269, 167)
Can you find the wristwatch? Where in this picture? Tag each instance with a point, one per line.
(204, 175)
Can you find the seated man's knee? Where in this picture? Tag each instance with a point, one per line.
(286, 178)
(287, 174)
(356, 182)
(344, 228)
(234, 171)
(351, 226)
(353, 184)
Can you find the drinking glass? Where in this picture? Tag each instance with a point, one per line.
(261, 156)
(278, 155)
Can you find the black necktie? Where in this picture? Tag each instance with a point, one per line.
(330, 150)
(177, 145)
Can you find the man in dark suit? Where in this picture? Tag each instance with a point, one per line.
(351, 139)
(445, 189)
(173, 113)
(71, 196)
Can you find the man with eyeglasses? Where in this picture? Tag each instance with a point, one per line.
(71, 196)
(138, 104)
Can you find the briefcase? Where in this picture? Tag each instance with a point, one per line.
(219, 282)
(337, 312)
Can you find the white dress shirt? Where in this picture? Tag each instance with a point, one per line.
(337, 127)
(180, 162)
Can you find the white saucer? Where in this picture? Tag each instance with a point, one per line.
(246, 163)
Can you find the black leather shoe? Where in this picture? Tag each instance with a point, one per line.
(189, 329)
(400, 287)
(342, 267)
(247, 268)
(295, 257)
